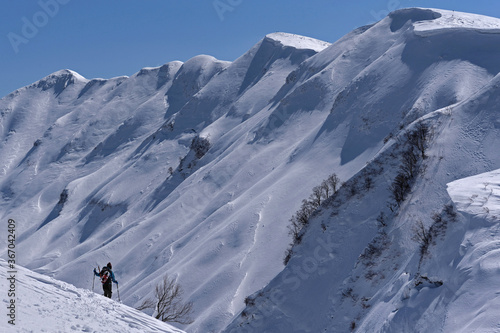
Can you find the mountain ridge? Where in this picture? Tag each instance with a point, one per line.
(120, 169)
(358, 266)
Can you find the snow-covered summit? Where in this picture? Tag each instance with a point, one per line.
(65, 72)
(59, 80)
(297, 41)
(459, 20)
(433, 21)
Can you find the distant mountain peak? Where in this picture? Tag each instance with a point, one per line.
(429, 21)
(297, 41)
(64, 73)
(402, 16)
(59, 80)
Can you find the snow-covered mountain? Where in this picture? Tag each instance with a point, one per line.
(105, 170)
(429, 264)
(194, 169)
(43, 304)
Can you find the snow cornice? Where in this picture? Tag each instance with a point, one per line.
(297, 41)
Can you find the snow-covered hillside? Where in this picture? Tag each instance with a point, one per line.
(105, 170)
(366, 264)
(194, 169)
(43, 304)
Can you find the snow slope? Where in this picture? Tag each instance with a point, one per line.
(112, 170)
(359, 266)
(47, 305)
(103, 170)
(478, 198)
(478, 195)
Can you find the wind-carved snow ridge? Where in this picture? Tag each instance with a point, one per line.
(428, 22)
(43, 304)
(401, 17)
(451, 20)
(299, 42)
(194, 170)
(478, 195)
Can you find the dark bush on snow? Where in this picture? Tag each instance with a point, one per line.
(200, 146)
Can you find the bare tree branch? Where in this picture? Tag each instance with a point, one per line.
(168, 303)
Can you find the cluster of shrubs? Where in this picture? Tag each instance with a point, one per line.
(426, 237)
(301, 218)
(375, 249)
(416, 141)
(319, 194)
(200, 146)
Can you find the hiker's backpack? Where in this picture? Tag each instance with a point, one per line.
(105, 275)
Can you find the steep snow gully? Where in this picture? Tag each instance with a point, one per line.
(194, 170)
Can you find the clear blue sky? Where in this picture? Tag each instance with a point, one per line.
(107, 38)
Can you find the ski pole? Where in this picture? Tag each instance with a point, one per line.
(118, 290)
(93, 280)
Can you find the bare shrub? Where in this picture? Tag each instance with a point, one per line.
(368, 183)
(200, 146)
(288, 255)
(352, 188)
(418, 138)
(424, 237)
(294, 229)
(374, 249)
(168, 304)
(325, 189)
(450, 212)
(439, 225)
(349, 293)
(400, 188)
(316, 196)
(381, 220)
(249, 301)
(333, 181)
(409, 161)
(63, 197)
(305, 212)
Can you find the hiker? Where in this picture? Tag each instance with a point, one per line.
(106, 275)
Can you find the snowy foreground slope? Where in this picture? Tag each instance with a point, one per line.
(194, 169)
(47, 305)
